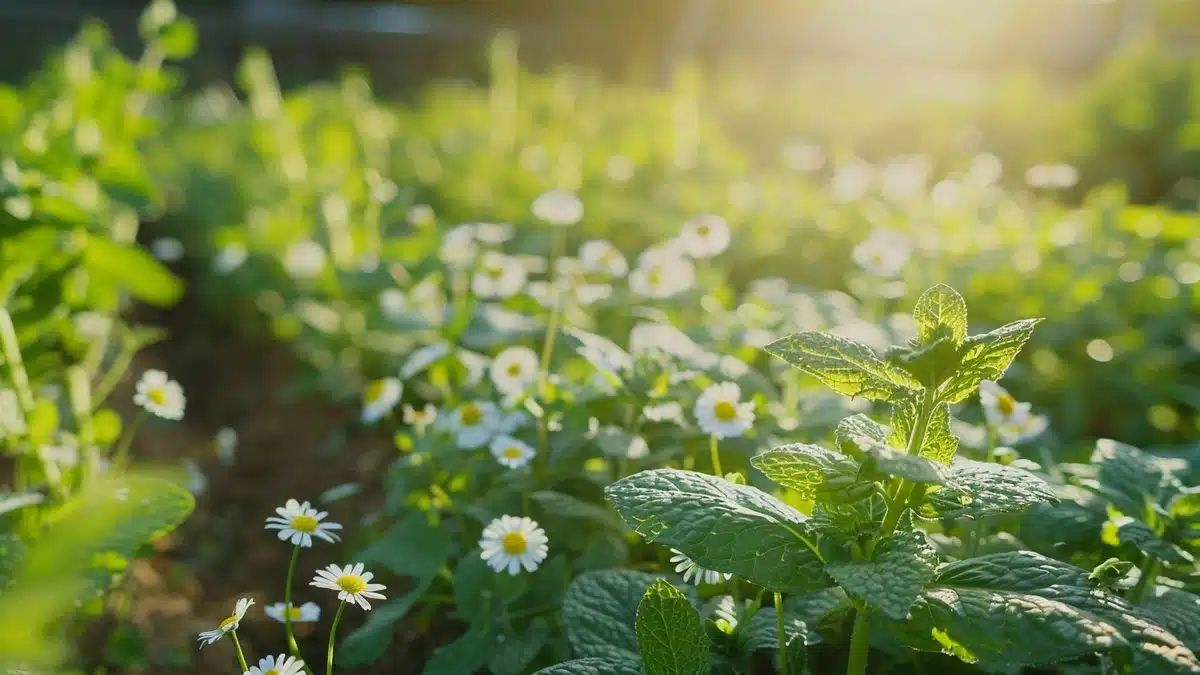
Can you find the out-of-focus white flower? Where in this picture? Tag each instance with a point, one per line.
(883, 253)
(851, 180)
(473, 423)
(705, 236)
(498, 276)
(230, 257)
(590, 294)
(309, 612)
(160, 395)
(227, 442)
(392, 302)
(419, 418)
(638, 448)
(905, 177)
(695, 574)
(299, 523)
(420, 215)
(944, 193)
(558, 207)
(985, 170)
(380, 398)
(514, 369)
(167, 249)
(1012, 420)
(661, 273)
(510, 543)
(511, 452)
(669, 411)
(197, 481)
(1052, 176)
(493, 234)
(619, 168)
(803, 156)
(422, 358)
(304, 259)
(721, 412)
(661, 338)
(458, 247)
(599, 255)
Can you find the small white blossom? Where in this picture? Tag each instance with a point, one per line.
(498, 276)
(493, 234)
(705, 236)
(420, 215)
(351, 582)
(280, 665)
(695, 574)
(661, 273)
(304, 259)
(458, 247)
(511, 452)
(1012, 420)
(227, 442)
(514, 369)
(558, 207)
(160, 395)
(419, 418)
(230, 624)
(380, 398)
(167, 249)
(510, 543)
(229, 258)
(392, 302)
(309, 612)
(720, 411)
(299, 523)
(883, 254)
(422, 358)
(602, 256)
(473, 423)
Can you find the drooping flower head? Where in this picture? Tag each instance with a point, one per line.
(380, 398)
(351, 583)
(230, 624)
(160, 395)
(721, 412)
(510, 543)
(299, 523)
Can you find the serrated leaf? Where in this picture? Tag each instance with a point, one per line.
(411, 548)
(895, 463)
(986, 357)
(980, 489)
(369, 641)
(940, 443)
(848, 367)
(669, 635)
(893, 578)
(807, 469)
(900, 427)
(1176, 610)
(855, 426)
(941, 306)
(721, 526)
(1128, 530)
(518, 650)
(599, 611)
(467, 654)
(595, 666)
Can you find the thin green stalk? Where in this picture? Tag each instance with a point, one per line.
(991, 445)
(784, 666)
(1148, 573)
(333, 632)
(16, 366)
(113, 376)
(121, 455)
(904, 489)
(287, 604)
(716, 456)
(555, 313)
(237, 647)
(860, 645)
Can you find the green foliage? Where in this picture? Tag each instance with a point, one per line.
(670, 639)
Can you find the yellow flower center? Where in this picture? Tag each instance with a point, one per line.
(494, 272)
(271, 672)
(1006, 404)
(513, 452)
(305, 523)
(471, 415)
(228, 623)
(725, 411)
(514, 370)
(158, 396)
(374, 391)
(352, 583)
(514, 543)
(702, 231)
(294, 613)
(655, 276)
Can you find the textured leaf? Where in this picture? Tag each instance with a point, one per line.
(763, 632)
(1129, 476)
(518, 650)
(980, 489)
(912, 467)
(722, 526)
(900, 427)
(1177, 611)
(940, 443)
(595, 666)
(669, 635)
(849, 429)
(848, 367)
(986, 357)
(892, 580)
(941, 306)
(369, 641)
(467, 654)
(807, 469)
(1127, 530)
(411, 548)
(600, 609)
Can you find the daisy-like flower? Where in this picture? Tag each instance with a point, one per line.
(599, 255)
(299, 523)
(422, 358)
(883, 253)
(458, 247)
(514, 369)
(558, 207)
(280, 665)
(511, 452)
(720, 411)
(1012, 420)
(662, 273)
(473, 423)
(493, 233)
(351, 582)
(705, 236)
(160, 395)
(498, 276)
(420, 215)
(695, 574)
(380, 398)
(419, 418)
(393, 302)
(309, 612)
(230, 624)
(510, 543)
(304, 259)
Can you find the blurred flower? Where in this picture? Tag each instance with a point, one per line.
(510, 543)
(619, 168)
(669, 411)
(420, 215)
(351, 582)
(304, 259)
(231, 624)
(197, 481)
(379, 398)
(458, 247)
(985, 170)
(392, 302)
(803, 156)
(92, 325)
(662, 273)
(705, 236)
(720, 411)
(883, 253)
(1012, 420)
(661, 338)
(695, 574)
(511, 452)
(309, 612)
(493, 233)
(944, 193)
(599, 255)
(1052, 176)
(229, 258)
(167, 249)
(514, 369)
(558, 207)
(590, 294)
(300, 523)
(905, 177)
(851, 180)
(498, 276)
(12, 420)
(64, 454)
(475, 364)
(227, 441)
(473, 423)
(638, 448)
(281, 665)
(421, 418)
(160, 395)
(422, 358)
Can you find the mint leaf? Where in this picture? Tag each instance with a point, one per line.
(1177, 611)
(849, 429)
(1129, 477)
(1186, 505)
(980, 489)
(1127, 530)
(721, 526)
(848, 367)
(940, 443)
(519, 649)
(986, 357)
(669, 635)
(807, 469)
(912, 467)
(595, 666)
(941, 306)
(599, 611)
(763, 631)
(893, 578)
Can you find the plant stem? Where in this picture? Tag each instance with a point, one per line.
(556, 248)
(16, 366)
(121, 456)
(287, 604)
(716, 456)
(784, 666)
(1148, 573)
(860, 645)
(991, 445)
(904, 488)
(237, 647)
(332, 632)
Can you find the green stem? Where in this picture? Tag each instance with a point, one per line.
(860, 645)
(716, 456)
(113, 375)
(1148, 573)
(991, 445)
(16, 366)
(904, 489)
(784, 666)
(237, 647)
(333, 632)
(121, 456)
(555, 313)
(287, 604)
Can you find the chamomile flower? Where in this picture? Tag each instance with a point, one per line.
(558, 207)
(705, 236)
(1012, 420)
(473, 423)
(695, 574)
(511, 452)
(160, 395)
(458, 247)
(498, 276)
(493, 233)
(721, 412)
(351, 582)
(281, 665)
(309, 612)
(230, 624)
(380, 398)
(600, 255)
(419, 418)
(510, 543)
(662, 273)
(883, 253)
(304, 259)
(299, 523)
(422, 358)
(514, 369)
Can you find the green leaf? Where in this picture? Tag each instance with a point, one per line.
(134, 269)
(940, 443)
(941, 306)
(595, 666)
(848, 367)
(370, 640)
(721, 526)
(986, 357)
(763, 631)
(518, 650)
(178, 39)
(467, 654)
(12, 550)
(669, 635)
(411, 548)
(911, 467)
(849, 429)
(1186, 505)
(1128, 530)
(807, 469)
(980, 489)
(1176, 610)
(893, 578)
(1129, 477)
(559, 505)
(599, 612)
